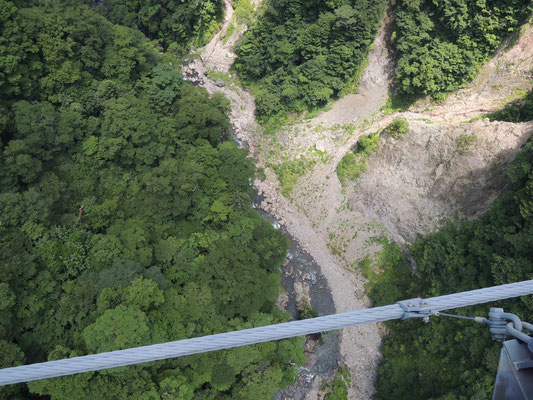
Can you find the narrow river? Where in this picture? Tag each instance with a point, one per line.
(301, 277)
(301, 274)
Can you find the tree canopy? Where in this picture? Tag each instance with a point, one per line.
(125, 216)
(176, 23)
(441, 43)
(303, 53)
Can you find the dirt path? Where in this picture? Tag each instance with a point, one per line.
(322, 216)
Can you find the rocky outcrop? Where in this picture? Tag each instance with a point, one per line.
(438, 173)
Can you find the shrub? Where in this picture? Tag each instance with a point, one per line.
(353, 163)
(338, 388)
(464, 142)
(520, 110)
(398, 127)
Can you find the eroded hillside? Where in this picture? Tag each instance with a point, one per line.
(438, 173)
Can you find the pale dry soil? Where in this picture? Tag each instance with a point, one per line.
(414, 184)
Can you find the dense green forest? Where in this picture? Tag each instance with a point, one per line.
(173, 23)
(303, 53)
(125, 218)
(451, 359)
(441, 44)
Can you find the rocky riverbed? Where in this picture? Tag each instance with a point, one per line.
(305, 284)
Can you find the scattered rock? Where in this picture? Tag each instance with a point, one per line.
(302, 293)
(282, 301)
(220, 83)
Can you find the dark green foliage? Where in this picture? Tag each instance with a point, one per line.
(10, 356)
(448, 358)
(349, 168)
(125, 219)
(441, 43)
(354, 162)
(60, 64)
(303, 53)
(367, 144)
(518, 111)
(386, 284)
(399, 102)
(398, 127)
(306, 311)
(17, 54)
(171, 22)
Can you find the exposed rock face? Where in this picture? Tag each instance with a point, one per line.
(436, 173)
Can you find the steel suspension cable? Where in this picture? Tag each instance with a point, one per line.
(441, 314)
(245, 337)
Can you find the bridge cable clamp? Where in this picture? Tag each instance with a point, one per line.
(417, 308)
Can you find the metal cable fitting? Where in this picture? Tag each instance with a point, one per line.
(500, 328)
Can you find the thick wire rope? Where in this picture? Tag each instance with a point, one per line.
(245, 337)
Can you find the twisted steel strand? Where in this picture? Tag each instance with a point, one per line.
(245, 337)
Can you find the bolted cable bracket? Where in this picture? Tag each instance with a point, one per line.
(500, 328)
(416, 308)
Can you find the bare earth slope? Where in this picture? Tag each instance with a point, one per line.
(418, 182)
(414, 184)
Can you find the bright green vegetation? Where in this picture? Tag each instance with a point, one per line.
(303, 53)
(124, 219)
(172, 23)
(338, 388)
(519, 110)
(398, 127)
(290, 171)
(350, 168)
(354, 163)
(229, 79)
(441, 43)
(244, 11)
(447, 358)
(244, 14)
(464, 142)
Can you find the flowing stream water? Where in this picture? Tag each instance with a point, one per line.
(302, 273)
